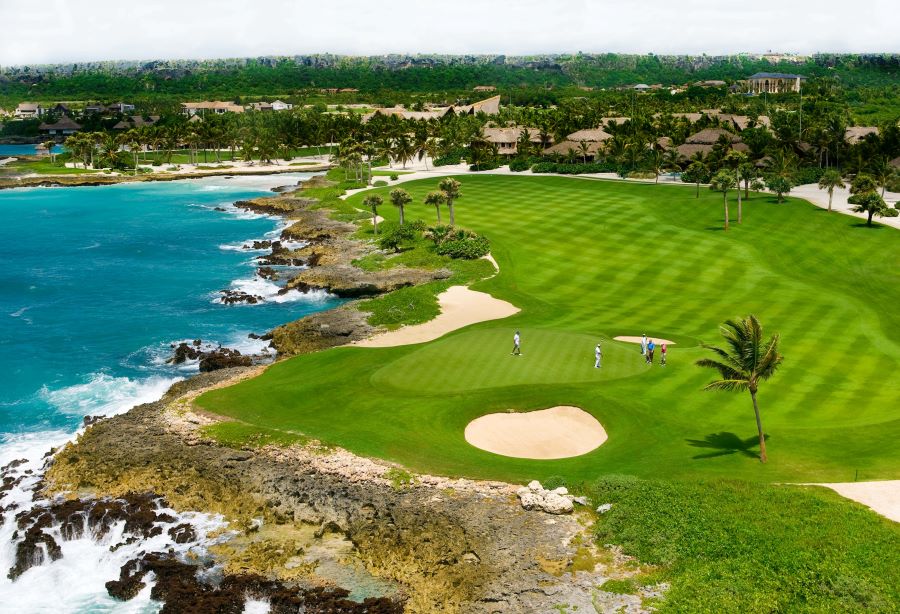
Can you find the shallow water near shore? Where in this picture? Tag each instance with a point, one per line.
(96, 284)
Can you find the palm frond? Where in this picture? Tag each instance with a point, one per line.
(728, 384)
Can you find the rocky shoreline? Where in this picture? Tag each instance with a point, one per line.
(452, 545)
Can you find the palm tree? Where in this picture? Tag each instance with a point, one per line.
(722, 182)
(132, 139)
(400, 198)
(882, 171)
(736, 160)
(437, 199)
(584, 148)
(830, 180)
(373, 201)
(403, 150)
(697, 171)
(749, 361)
(49, 145)
(450, 188)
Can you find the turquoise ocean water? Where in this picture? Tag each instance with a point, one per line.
(97, 282)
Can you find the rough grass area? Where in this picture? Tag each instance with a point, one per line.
(587, 260)
(42, 167)
(740, 547)
(240, 435)
(412, 305)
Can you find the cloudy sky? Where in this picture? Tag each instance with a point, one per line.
(66, 31)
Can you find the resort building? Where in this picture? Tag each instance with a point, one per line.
(202, 108)
(276, 105)
(706, 140)
(774, 83)
(507, 139)
(710, 83)
(484, 88)
(64, 126)
(586, 144)
(29, 110)
(613, 121)
(855, 134)
(489, 106)
(136, 121)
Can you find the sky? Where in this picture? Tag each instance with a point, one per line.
(64, 31)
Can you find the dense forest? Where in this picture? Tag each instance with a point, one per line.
(373, 76)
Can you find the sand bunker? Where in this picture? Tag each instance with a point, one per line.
(557, 432)
(883, 497)
(656, 340)
(460, 307)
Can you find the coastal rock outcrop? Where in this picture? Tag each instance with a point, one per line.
(234, 297)
(321, 331)
(536, 497)
(223, 358)
(350, 282)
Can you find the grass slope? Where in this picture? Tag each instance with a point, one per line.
(588, 260)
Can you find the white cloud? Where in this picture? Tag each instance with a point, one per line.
(63, 31)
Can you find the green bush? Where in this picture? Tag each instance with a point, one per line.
(394, 177)
(486, 166)
(517, 165)
(453, 156)
(607, 166)
(626, 586)
(808, 174)
(554, 481)
(395, 236)
(464, 244)
(380, 183)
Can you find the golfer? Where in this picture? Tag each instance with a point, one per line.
(516, 349)
(650, 347)
(598, 356)
(644, 344)
(662, 354)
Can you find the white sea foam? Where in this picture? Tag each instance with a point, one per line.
(17, 313)
(268, 291)
(105, 395)
(257, 606)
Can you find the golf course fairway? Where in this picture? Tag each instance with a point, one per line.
(588, 260)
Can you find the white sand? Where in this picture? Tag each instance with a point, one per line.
(882, 497)
(460, 307)
(557, 432)
(629, 339)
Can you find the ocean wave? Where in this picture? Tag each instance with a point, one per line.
(105, 395)
(269, 292)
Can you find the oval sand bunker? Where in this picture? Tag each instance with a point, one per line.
(557, 432)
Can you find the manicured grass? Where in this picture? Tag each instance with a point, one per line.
(43, 167)
(742, 547)
(587, 260)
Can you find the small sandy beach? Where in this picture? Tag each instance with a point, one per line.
(460, 307)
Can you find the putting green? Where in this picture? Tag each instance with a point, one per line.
(588, 260)
(481, 359)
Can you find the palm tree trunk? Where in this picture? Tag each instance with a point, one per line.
(452, 217)
(740, 213)
(437, 209)
(763, 457)
(401, 216)
(725, 200)
(830, 194)
(375, 221)
(869, 222)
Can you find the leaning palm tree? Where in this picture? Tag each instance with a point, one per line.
(450, 188)
(372, 202)
(400, 198)
(748, 361)
(722, 182)
(830, 180)
(49, 145)
(436, 199)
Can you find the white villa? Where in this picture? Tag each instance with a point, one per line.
(29, 110)
(217, 106)
(277, 105)
(774, 82)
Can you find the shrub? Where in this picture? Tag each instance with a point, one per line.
(453, 156)
(607, 166)
(517, 165)
(626, 586)
(395, 237)
(485, 166)
(380, 183)
(394, 177)
(464, 244)
(808, 174)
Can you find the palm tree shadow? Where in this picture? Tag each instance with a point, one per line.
(725, 444)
